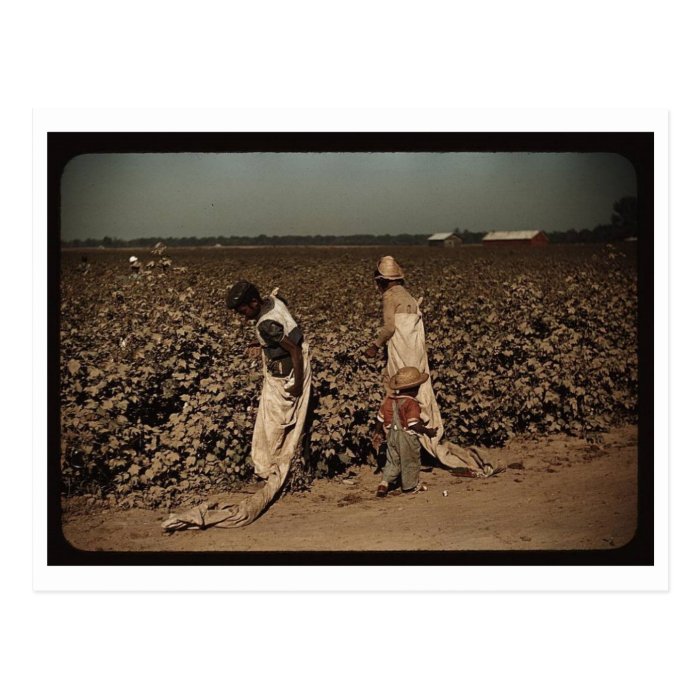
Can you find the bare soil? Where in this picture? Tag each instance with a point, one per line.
(566, 493)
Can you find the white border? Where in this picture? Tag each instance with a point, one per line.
(241, 578)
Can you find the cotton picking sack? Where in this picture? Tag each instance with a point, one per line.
(278, 427)
(406, 348)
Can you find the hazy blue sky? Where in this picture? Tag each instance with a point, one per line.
(203, 194)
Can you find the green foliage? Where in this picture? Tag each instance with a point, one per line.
(625, 214)
(158, 398)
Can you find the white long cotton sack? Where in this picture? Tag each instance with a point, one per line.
(406, 348)
(278, 428)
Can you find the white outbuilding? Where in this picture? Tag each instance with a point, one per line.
(444, 240)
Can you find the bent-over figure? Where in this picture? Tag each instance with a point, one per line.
(284, 400)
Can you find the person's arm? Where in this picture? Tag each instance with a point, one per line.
(387, 330)
(378, 434)
(297, 363)
(422, 429)
(415, 423)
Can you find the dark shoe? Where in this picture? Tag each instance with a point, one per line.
(382, 490)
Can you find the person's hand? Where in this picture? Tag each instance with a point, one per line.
(377, 441)
(431, 432)
(371, 351)
(295, 390)
(253, 352)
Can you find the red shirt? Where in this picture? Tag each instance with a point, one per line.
(409, 411)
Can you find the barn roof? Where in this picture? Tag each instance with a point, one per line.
(510, 235)
(441, 236)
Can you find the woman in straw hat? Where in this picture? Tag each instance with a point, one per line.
(399, 419)
(395, 299)
(403, 335)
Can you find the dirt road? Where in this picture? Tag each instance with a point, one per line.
(568, 494)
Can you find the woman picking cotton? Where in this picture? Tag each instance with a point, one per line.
(403, 334)
(284, 400)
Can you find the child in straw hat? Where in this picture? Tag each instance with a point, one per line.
(399, 418)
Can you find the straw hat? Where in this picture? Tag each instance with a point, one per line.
(407, 378)
(133, 259)
(389, 269)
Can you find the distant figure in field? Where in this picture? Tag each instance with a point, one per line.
(84, 266)
(284, 400)
(159, 249)
(403, 335)
(134, 265)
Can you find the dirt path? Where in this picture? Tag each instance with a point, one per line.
(568, 495)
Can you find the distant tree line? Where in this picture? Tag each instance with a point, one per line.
(359, 239)
(600, 234)
(623, 224)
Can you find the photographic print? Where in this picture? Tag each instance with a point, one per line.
(337, 348)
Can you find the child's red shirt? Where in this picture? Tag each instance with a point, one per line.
(409, 411)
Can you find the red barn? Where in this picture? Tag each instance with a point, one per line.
(512, 238)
